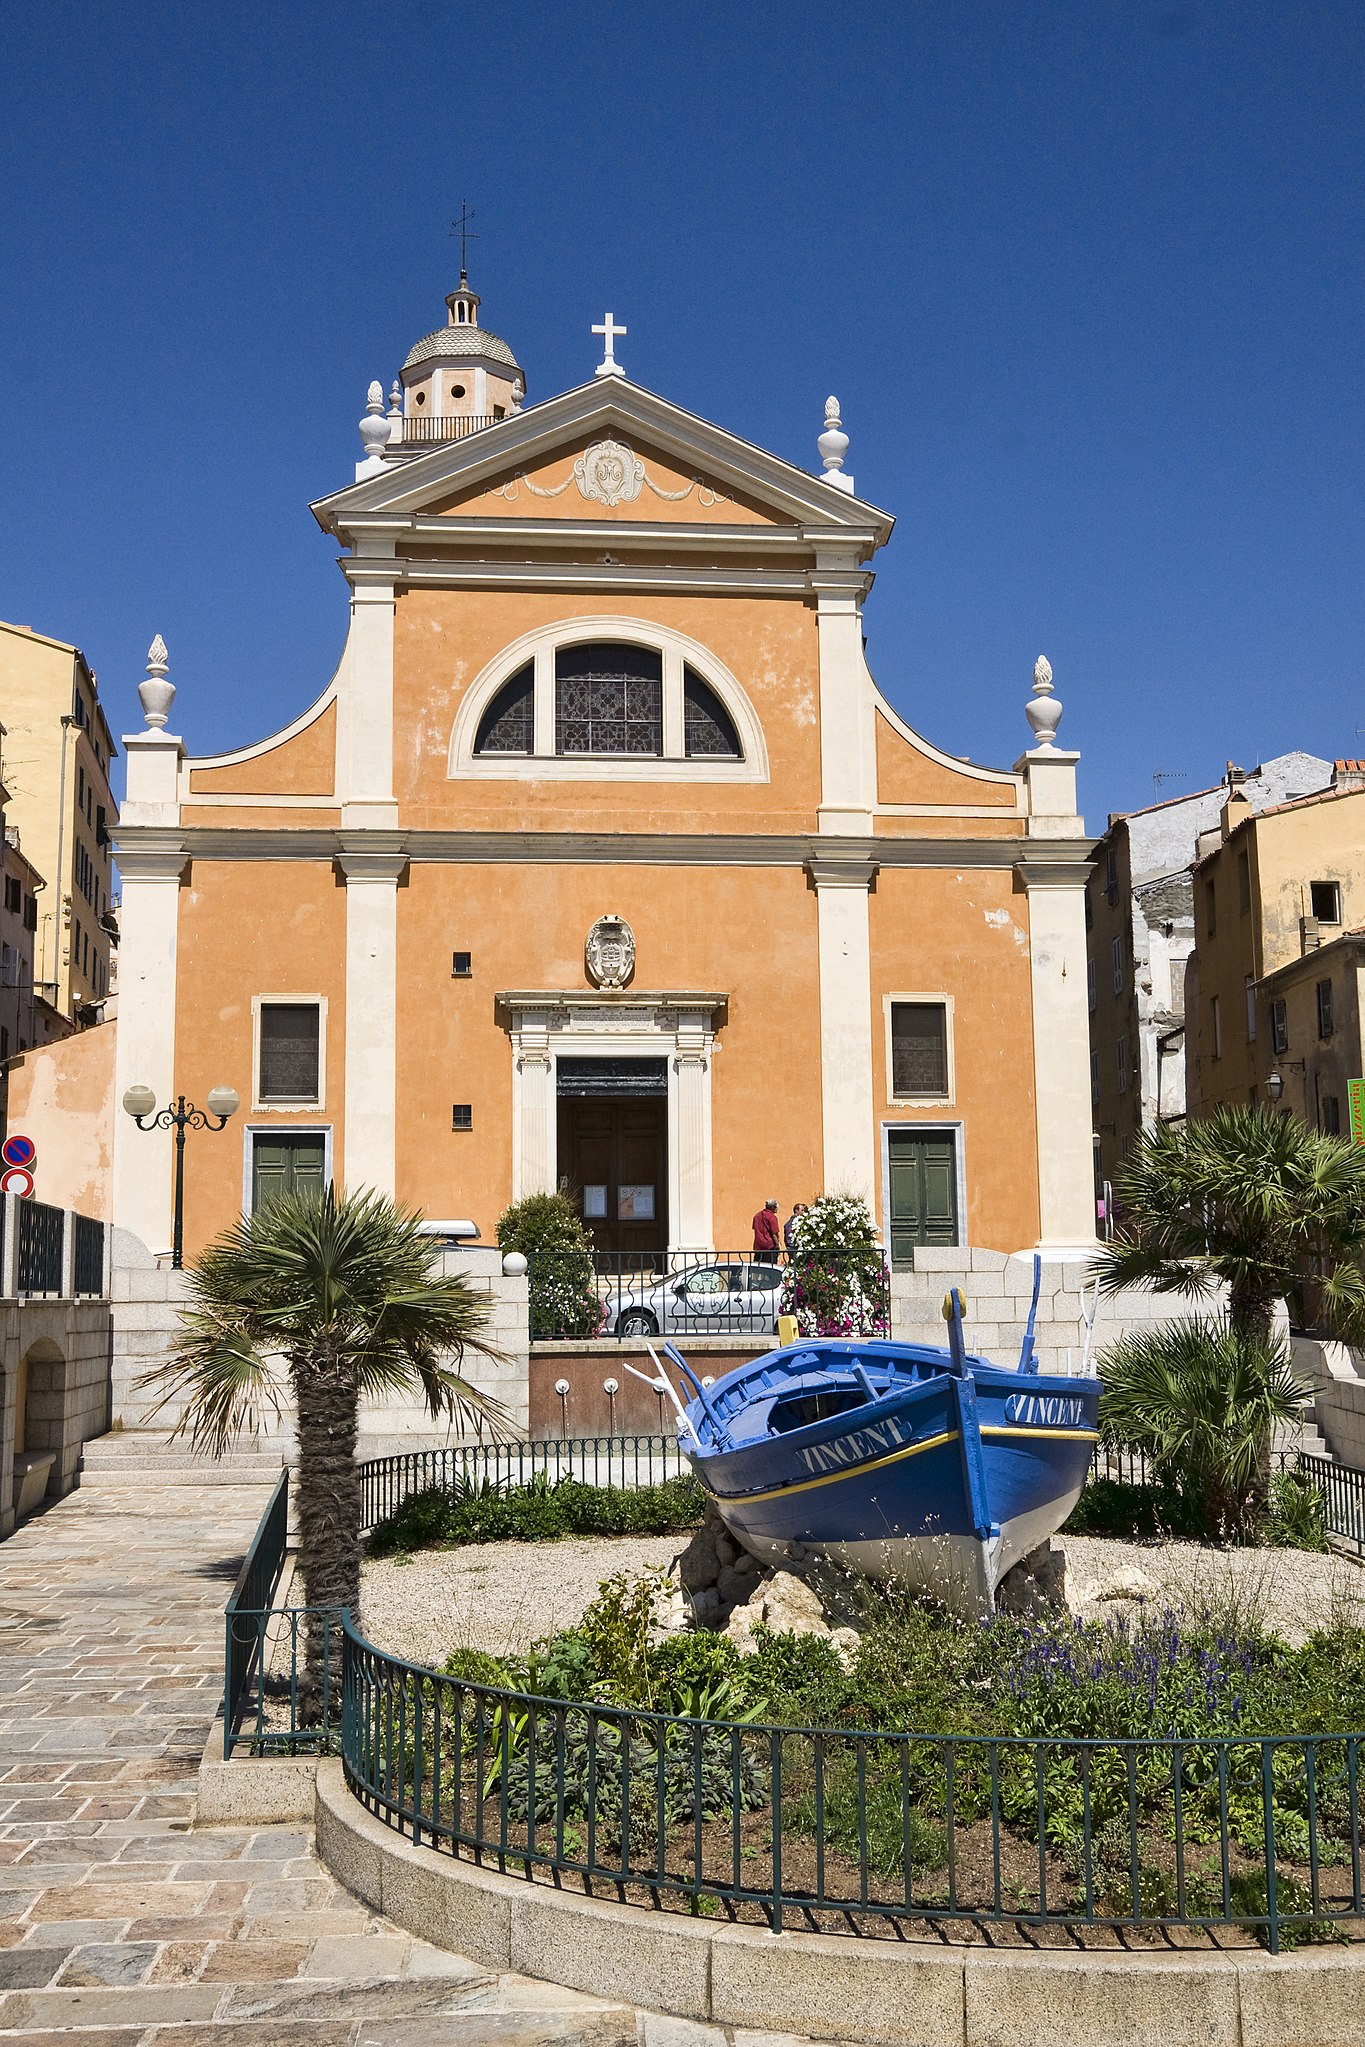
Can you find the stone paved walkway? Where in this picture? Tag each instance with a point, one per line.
(121, 1922)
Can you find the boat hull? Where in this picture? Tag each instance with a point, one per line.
(942, 1485)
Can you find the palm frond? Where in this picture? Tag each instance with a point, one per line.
(225, 1383)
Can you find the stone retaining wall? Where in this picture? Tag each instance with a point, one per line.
(911, 1993)
(147, 1298)
(54, 1365)
(999, 1288)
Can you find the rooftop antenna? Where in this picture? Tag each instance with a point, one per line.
(1165, 775)
(467, 235)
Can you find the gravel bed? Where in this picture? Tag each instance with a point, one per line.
(1291, 1592)
(502, 1596)
(499, 1596)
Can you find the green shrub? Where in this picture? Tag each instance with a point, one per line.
(484, 1511)
(547, 1230)
(1297, 1516)
(1201, 1400)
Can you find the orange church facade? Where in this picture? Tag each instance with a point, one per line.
(601, 862)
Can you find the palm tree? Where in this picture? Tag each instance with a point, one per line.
(331, 1298)
(1249, 1197)
(1202, 1401)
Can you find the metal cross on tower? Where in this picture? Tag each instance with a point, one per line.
(467, 235)
(609, 367)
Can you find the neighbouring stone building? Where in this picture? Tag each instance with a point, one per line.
(602, 862)
(58, 753)
(1140, 935)
(1275, 986)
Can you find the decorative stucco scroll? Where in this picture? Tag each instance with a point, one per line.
(609, 473)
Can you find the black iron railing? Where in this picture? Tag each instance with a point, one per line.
(631, 1294)
(836, 1831)
(626, 1461)
(40, 1247)
(1341, 1488)
(89, 1256)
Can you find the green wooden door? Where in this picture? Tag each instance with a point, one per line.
(293, 1163)
(923, 1191)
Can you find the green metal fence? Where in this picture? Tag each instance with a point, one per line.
(596, 1460)
(828, 1829)
(832, 1830)
(247, 1616)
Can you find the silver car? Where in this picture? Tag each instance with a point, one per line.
(733, 1298)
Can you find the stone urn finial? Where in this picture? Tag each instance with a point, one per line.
(1043, 710)
(375, 429)
(157, 694)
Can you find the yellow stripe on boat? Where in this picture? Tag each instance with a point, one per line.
(894, 1457)
(849, 1471)
(1064, 1435)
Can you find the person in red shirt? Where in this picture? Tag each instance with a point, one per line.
(767, 1235)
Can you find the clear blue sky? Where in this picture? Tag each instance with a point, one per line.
(1087, 279)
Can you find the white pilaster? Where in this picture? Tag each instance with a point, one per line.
(1061, 1052)
(845, 956)
(365, 693)
(690, 1202)
(144, 1043)
(534, 1110)
(372, 870)
(848, 778)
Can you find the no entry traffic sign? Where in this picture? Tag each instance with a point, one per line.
(17, 1180)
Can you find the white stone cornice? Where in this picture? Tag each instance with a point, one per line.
(619, 1002)
(648, 849)
(372, 859)
(152, 856)
(828, 870)
(705, 578)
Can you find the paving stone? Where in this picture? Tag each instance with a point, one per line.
(112, 1963)
(374, 1954)
(252, 1961)
(30, 1968)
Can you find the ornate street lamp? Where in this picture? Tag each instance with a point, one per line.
(140, 1103)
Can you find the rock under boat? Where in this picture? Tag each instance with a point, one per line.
(896, 1461)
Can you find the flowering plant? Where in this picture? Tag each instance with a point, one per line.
(836, 1283)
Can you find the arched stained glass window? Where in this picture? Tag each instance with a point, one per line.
(508, 725)
(608, 699)
(707, 726)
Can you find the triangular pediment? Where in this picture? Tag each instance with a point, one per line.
(550, 456)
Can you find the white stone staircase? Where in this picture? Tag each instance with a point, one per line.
(148, 1457)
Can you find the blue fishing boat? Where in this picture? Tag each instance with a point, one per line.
(931, 1467)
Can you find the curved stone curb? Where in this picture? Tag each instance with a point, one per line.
(906, 1993)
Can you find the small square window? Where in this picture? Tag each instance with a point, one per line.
(462, 1116)
(461, 966)
(1326, 901)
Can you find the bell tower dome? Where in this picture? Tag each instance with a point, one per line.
(460, 377)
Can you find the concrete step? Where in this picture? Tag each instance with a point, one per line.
(149, 1457)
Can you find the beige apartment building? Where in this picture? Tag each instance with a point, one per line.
(58, 752)
(1279, 915)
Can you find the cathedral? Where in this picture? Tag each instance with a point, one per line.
(602, 863)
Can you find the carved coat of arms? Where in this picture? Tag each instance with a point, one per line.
(610, 953)
(609, 473)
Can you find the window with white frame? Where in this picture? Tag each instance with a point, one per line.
(588, 690)
(288, 1052)
(919, 1050)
